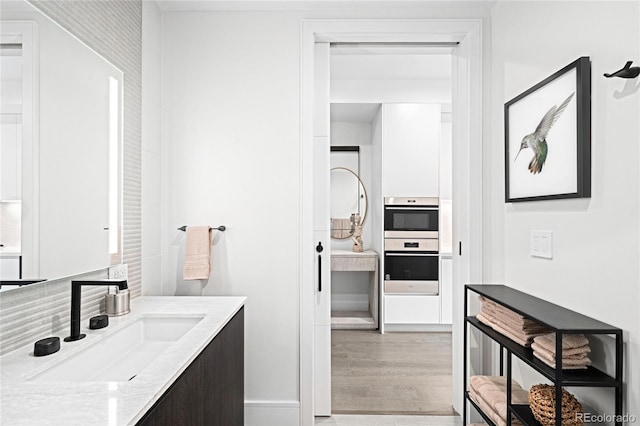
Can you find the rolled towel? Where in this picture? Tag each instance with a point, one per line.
(569, 341)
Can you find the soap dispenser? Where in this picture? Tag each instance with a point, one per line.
(117, 302)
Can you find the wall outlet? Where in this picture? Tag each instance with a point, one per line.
(118, 272)
(542, 244)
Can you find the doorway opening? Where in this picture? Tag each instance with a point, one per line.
(390, 124)
(315, 365)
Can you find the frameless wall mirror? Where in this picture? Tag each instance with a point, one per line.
(61, 107)
(348, 202)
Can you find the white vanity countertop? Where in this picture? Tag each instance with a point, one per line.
(31, 403)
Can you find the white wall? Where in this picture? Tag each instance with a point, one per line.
(231, 148)
(405, 91)
(151, 149)
(231, 119)
(595, 266)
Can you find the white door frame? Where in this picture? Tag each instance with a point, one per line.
(467, 163)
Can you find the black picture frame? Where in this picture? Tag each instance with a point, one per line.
(555, 138)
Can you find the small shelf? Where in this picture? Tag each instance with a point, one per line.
(590, 376)
(560, 321)
(524, 414)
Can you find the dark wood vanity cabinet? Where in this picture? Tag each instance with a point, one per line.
(211, 390)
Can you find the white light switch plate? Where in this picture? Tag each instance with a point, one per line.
(542, 244)
(118, 272)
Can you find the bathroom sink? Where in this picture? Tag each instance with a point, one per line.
(120, 356)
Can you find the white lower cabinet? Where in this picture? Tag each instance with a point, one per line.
(411, 309)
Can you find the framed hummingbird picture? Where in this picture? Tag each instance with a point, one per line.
(548, 137)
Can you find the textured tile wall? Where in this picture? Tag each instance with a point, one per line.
(113, 29)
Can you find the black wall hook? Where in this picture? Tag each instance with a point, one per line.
(626, 72)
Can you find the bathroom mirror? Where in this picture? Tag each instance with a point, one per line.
(64, 103)
(348, 197)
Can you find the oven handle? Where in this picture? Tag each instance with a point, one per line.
(412, 254)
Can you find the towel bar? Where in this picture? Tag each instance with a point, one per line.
(221, 228)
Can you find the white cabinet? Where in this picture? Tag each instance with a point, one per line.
(415, 309)
(410, 159)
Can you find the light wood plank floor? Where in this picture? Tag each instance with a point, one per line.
(391, 373)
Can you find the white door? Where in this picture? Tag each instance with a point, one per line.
(321, 183)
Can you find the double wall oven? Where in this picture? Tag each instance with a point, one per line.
(411, 262)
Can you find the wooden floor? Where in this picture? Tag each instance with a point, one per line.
(391, 373)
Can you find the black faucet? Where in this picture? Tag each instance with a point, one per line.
(76, 298)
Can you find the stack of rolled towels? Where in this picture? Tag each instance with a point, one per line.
(490, 394)
(516, 327)
(575, 350)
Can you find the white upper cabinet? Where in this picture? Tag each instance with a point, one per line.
(410, 160)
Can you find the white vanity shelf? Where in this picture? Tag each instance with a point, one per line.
(349, 261)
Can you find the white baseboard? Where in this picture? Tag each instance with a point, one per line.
(429, 328)
(271, 413)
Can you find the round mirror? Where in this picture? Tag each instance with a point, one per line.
(348, 202)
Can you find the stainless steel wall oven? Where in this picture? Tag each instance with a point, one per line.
(411, 261)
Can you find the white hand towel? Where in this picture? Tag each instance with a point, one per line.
(197, 253)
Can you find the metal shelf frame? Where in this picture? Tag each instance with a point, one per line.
(561, 321)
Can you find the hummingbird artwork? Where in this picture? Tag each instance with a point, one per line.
(537, 140)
